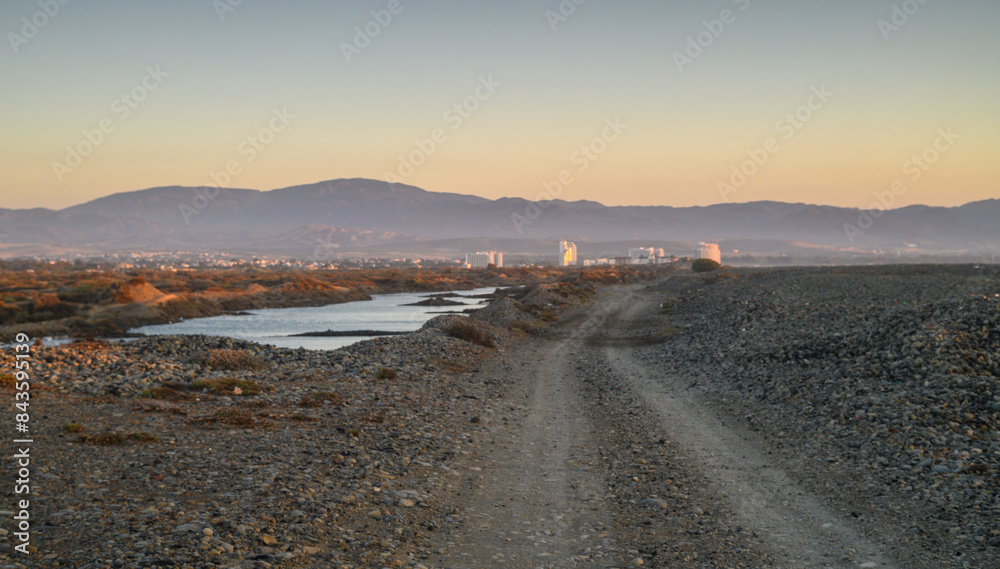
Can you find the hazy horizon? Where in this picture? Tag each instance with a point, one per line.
(289, 94)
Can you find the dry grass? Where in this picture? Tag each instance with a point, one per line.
(668, 331)
(375, 417)
(302, 417)
(451, 367)
(117, 439)
(233, 416)
(164, 394)
(229, 386)
(320, 398)
(233, 360)
(466, 330)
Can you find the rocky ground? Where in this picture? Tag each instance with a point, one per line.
(309, 459)
(780, 418)
(877, 386)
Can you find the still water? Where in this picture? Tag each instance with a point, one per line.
(273, 325)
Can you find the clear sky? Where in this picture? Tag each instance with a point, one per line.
(287, 93)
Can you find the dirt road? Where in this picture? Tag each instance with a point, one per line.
(595, 458)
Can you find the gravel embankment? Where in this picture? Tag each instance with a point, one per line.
(881, 384)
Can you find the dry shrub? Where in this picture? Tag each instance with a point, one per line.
(164, 394)
(228, 385)
(385, 373)
(233, 360)
(117, 439)
(463, 329)
(233, 416)
(450, 366)
(319, 398)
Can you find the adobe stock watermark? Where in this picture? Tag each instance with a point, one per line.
(121, 109)
(32, 25)
(698, 43)
(223, 7)
(787, 126)
(248, 149)
(454, 117)
(363, 35)
(562, 13)
(900, 16)
(913, 169)
(582, 158)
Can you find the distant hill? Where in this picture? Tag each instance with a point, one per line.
(341, 216)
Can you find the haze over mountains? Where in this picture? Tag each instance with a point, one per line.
(361, 215)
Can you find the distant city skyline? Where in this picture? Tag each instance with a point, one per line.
(849, 103)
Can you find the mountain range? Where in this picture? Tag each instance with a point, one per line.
(360, 215)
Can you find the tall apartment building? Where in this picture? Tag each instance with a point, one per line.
(567, 253)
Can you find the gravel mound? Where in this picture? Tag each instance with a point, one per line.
(501, 312)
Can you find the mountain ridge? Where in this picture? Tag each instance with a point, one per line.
(358, 211)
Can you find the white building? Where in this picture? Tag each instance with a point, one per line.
(641, 255)
(710, 251)
(481, 259)
(567, 253)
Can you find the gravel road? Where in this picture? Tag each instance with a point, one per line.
(603, 456)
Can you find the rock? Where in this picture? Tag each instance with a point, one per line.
(657, 502)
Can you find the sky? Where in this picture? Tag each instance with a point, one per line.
(837, 102)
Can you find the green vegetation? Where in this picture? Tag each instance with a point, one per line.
(704, 265)
(73, 428)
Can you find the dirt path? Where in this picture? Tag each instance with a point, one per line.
(538, 499)
(573, 476)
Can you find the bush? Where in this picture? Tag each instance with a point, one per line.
(385, 373)
(704, 265)
(463, 329)
(164, 394)
(233, 360)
